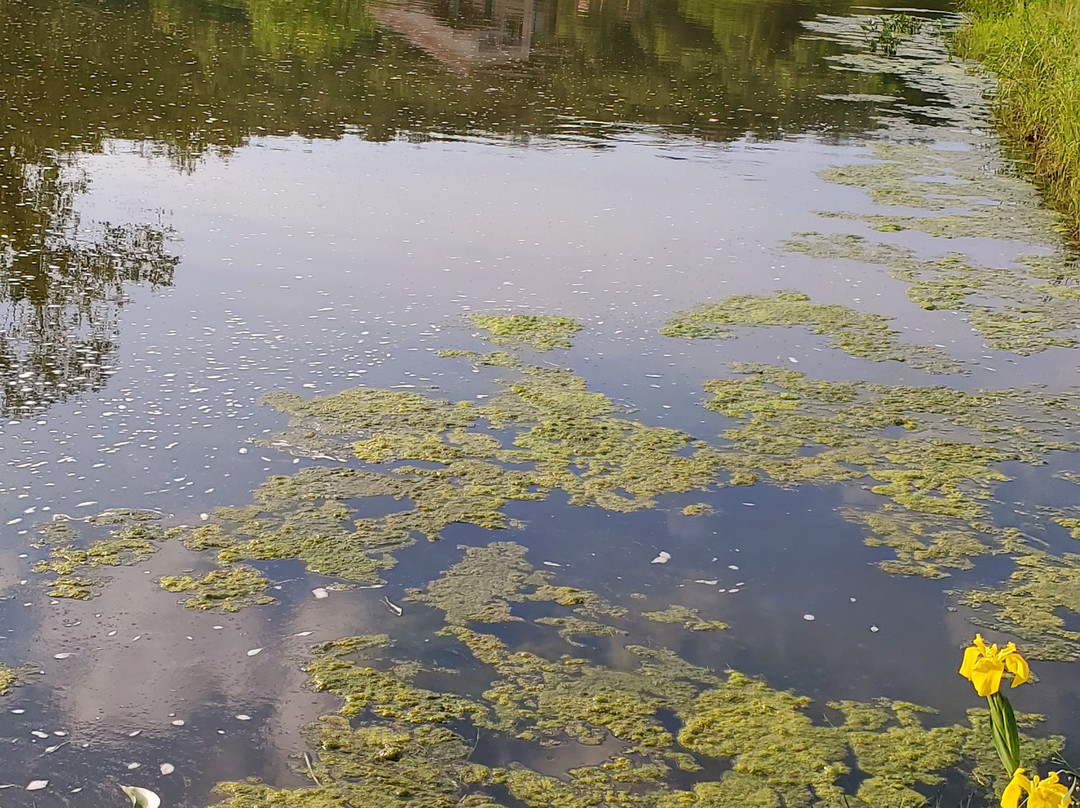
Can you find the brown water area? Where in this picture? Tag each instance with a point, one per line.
(522, 403)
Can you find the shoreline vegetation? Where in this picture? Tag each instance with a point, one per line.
(1031, 46)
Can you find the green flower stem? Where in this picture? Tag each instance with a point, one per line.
(1006, 736)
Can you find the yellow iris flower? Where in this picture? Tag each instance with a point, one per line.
(1048, 793)
(984, 665)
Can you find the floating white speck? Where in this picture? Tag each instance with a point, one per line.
(303, 633)
(63, 655)
(217, 628)
(178, 722)
(20, 711)
(808, 617)
(320, 593)
(707, 583)
(243, 717)
(732, 567)
(204, 516)
(875, 629)
(37, 785)
(242, 450)
(133, 766)
(662, 557)
(793, 360)
(551, 564)
(254, 651)
(134, 733)
(167, 768)
(393, 607)
(852, 599)
(37, 733)
(50, 749)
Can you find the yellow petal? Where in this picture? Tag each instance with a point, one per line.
(986, 676)
(971, 655)
(1018, 667)
(1014, 791)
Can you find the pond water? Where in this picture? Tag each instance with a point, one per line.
(722, 340)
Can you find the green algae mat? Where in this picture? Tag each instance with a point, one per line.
(645, 423)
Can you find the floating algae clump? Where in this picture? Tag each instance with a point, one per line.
(699, 509)
(769, 737)
(578, 442)
(854, 332)
(384, 693)
(8, 677)
(688, 618)
(448, 470)
(481, 587)
(1028, 606)
(228, 589)
(542, 331)
(69, 563)
(772, 746)
(379, 766)
(796, 430)
(1014, 308)
(570, 627)
(928, 546)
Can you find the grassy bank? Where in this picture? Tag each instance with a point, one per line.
(1033, 47)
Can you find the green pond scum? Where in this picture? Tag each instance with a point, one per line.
(930, 457)
(229, 589)
(857, 333)
(540, 331)
(1025, 307)
(406, 730)
(72, 566)
(686, 617)
(739, 741)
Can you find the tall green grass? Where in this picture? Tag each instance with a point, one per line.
(1034, 47)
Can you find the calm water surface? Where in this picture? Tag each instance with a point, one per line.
(204, 202)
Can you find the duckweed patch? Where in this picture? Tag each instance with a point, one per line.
(1024, 308)
(854, 332)
(228, 589)
(541, 331)
(688, 618)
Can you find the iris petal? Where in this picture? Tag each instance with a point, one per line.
(1014, 791)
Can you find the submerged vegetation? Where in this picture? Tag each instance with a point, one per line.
(1031, 48)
